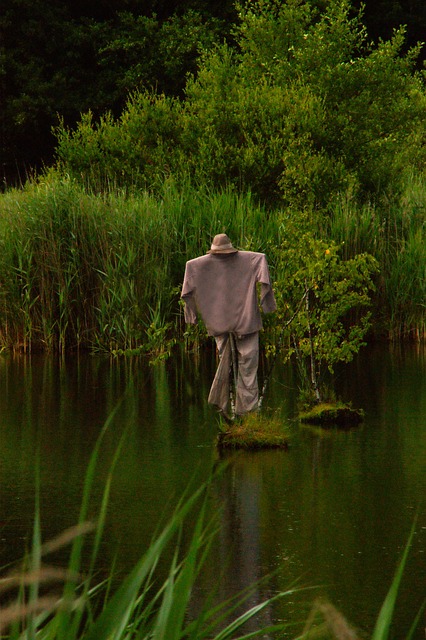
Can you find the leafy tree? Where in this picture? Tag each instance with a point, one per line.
(382, 17)
(48, 67)
(305, 109)
(327, 299)
(66, 58)
(359, 107)
(135, 149)
(141, 52)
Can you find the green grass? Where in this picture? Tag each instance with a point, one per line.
(394, 233)
(336, 414)
(103, 272)
(383, 624)
(254, 431)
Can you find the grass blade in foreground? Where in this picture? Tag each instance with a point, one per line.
(382, 627)
(118, 611)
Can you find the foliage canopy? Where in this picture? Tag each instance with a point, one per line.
(304, 109)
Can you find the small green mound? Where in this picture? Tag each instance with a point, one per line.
(333, 415)
(254, 432)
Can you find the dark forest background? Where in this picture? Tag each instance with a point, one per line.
(60, 59)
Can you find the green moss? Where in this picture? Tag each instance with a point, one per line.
(253, 432)
(335, 414)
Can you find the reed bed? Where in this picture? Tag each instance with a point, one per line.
(103, 272)
(395, 234)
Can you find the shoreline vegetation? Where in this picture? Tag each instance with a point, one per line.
(103, 272)
(302, 134)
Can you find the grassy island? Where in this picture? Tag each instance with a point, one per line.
(332, 415)
(254, 432)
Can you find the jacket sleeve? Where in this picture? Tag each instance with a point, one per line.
(188, 296)
(267, 298)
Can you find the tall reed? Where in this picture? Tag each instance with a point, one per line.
(395, 234)
(104, 271)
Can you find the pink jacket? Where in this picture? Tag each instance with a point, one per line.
(222, 288)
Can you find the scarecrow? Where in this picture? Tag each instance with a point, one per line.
(222, 287)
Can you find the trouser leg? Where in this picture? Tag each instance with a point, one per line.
(247, 391)
(220, 389)
(247, 394)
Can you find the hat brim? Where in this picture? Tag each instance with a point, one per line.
(222, 251)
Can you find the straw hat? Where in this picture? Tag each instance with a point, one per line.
(222, 244)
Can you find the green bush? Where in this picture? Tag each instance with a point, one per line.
(133, 150)
(323, 302)
(304, 108)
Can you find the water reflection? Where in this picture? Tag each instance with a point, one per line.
(334, 511)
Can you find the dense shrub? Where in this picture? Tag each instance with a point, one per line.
(305, 109)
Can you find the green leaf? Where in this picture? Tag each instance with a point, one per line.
(116, 614)
(382, 627)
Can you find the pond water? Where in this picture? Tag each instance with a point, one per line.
(333, 512)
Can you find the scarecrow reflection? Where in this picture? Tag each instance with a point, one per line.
(240, 493)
